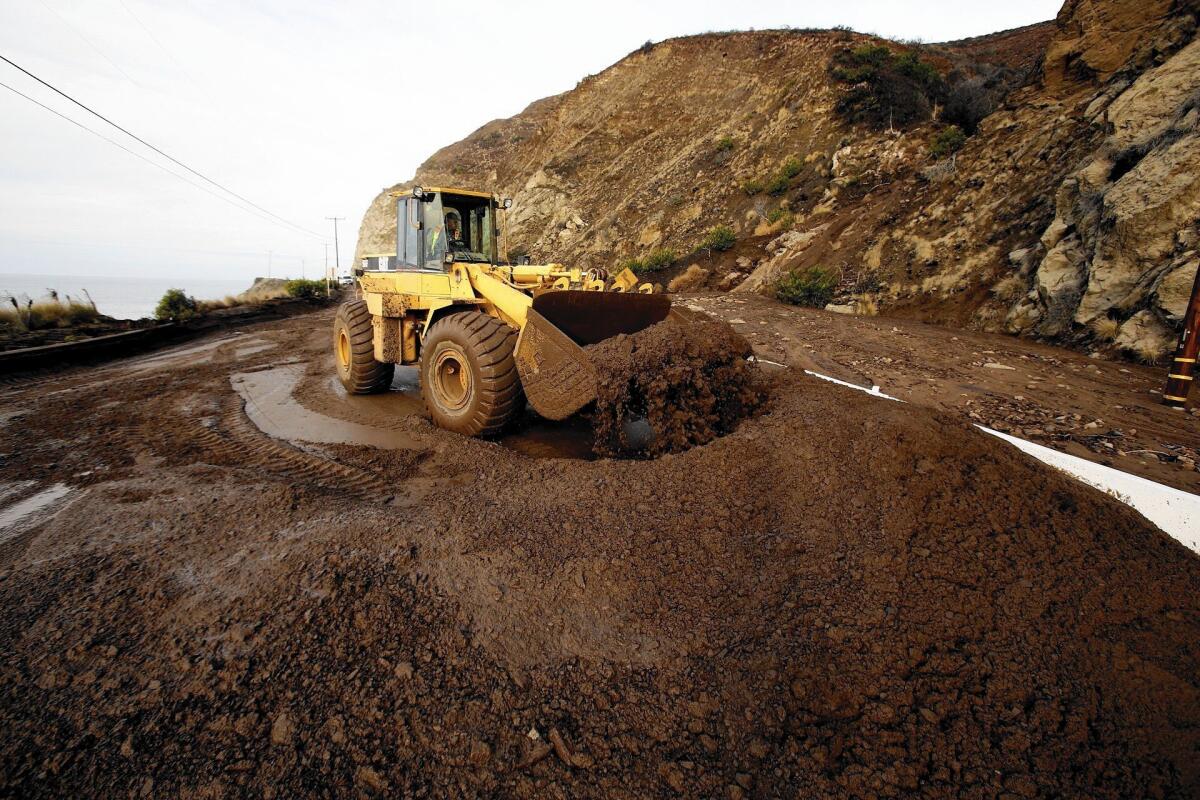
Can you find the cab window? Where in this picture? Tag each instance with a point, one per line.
(435, 233)
(408, 231)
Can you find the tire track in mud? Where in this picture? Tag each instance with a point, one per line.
(234, 441)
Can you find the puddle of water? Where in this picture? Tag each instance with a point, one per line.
(533, 436)
(271, 406)
(9, 517)
(253, 348)
(540, 438)
(401, 400)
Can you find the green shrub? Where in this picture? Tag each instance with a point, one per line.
(811, 287)
(791, 168)
(725, 144)
(949, 139)
(752, 187)
(655, 261)
(784, 217)
(779, 184)
(659, 259)
(720, 238)
(884, 88)
(175, 306)
(306, 289)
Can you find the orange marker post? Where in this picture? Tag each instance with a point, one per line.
(1183, 368)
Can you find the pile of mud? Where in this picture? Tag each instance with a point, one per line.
(842, 598)
(690, 383)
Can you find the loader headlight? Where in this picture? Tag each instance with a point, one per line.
(418, 192)
(507, 204)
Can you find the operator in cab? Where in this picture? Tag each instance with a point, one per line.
(454, 229)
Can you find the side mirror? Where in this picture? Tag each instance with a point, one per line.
(358, 272)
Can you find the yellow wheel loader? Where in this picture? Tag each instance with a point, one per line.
(486, 334)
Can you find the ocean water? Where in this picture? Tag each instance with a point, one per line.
(121, 298)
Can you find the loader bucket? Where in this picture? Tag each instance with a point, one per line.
(556, 374)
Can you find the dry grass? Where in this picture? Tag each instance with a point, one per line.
(25, 314)
(1105, 329)
(1147, 352)
(1010, 288)
(247, 298)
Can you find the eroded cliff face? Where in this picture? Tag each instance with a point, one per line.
(1121, 252)
(1071, 214)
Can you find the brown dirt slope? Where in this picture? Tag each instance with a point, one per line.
(631, 160)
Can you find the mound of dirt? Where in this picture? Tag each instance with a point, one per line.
(845, 597)
(690, 382)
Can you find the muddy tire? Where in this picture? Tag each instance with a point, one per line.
(354, 351)
(468, 375)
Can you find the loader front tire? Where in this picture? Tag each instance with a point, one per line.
(468, 375)
(354, 351)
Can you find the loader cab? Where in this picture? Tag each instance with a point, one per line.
(437, 227)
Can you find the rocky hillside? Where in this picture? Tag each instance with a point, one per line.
(1070, 213)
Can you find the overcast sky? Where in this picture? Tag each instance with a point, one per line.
(307, 109)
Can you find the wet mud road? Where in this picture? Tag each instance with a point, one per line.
(219, 576)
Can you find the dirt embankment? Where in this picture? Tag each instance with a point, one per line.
(855, 597)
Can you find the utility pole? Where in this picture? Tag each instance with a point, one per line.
(337, 262)
(1183, 367)
(270, 257)
(302, 276)
(328, 289)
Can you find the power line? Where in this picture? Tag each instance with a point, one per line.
(155, 149)
(136, 154)
(160, 46)
(89, 42)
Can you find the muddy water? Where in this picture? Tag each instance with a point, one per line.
(272, 406)
(19, 511)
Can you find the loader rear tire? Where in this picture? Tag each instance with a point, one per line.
(468, 374)
(354, 351)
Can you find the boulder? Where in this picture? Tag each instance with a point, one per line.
(1115, 242)
(784, 251)
(1174, 290)
(1146, 336)
(1059, 282)
(1142, 212)
(731, 280)
(1149, 106)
